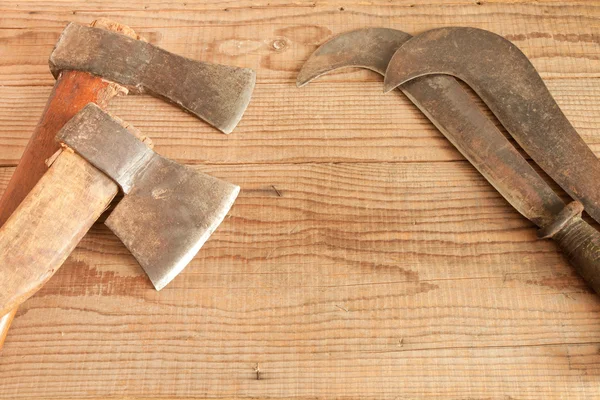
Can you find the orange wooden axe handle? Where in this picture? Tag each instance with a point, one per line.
(72, 91)
(5, 324)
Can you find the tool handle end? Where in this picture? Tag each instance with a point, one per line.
(5, 322)
(580, 242)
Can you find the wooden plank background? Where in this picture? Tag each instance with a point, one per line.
(364, 258)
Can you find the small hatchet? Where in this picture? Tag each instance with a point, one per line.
(168, 211)
(93, 64)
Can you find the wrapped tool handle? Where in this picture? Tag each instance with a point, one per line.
(579, 241)
(581, 244)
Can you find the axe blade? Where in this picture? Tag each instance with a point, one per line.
(169, 210)
(218, 94)
(169, 214)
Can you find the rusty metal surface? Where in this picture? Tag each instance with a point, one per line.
(218, 94)
(370, 48)
(511, 87)
(562, 219)
(454, 113)
(169, 210)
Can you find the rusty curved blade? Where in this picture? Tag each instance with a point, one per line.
(169, 210)
(218, 94)
(369, 48)
(453, 112)
(511, 87)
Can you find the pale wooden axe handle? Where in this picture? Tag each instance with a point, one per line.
(72, 91)
(48, 224)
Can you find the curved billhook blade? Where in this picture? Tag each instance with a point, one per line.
(453, 112)
(218, 94)
(369, 48)
(511, 87)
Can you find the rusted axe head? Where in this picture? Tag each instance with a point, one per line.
(169, 210)
(218, 94)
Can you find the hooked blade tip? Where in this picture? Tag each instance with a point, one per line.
(389, 83)
(309, 72)
(395, 73)
(370, 48)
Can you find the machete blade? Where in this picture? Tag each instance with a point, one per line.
(452, 111)
(513, 90)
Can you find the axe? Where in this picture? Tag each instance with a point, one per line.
(442, 99)
(167, 213)
(93, 64)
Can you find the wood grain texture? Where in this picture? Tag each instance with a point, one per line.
(363, 259)
(322, 122)
(416, 278)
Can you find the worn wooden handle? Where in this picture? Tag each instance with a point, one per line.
(48, 224)
(581, 244)
(5, 322)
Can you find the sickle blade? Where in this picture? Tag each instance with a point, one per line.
(369, 48)
(453, 112)
(511, 87)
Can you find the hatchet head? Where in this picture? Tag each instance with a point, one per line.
(169, 210)
(218, 94)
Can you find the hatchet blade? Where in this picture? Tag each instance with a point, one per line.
(168, 216)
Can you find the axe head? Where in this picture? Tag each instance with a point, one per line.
(169, 210)
(218, 94)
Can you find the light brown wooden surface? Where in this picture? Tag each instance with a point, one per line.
(364, 257)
